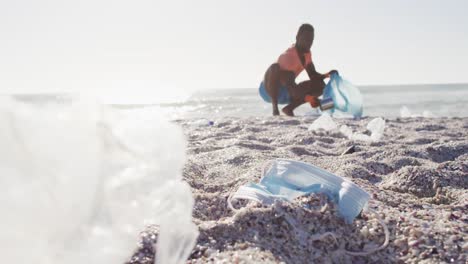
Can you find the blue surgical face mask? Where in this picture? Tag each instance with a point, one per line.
(288, 179)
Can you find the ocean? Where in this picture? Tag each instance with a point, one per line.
(434, 100)
(390, 101)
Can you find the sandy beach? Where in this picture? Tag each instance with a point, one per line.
(417, 175)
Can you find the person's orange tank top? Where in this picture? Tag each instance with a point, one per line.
(290, 61)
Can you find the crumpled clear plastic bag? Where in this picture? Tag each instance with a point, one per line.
(324, 122)
(79, 181)
(346, 97)
(376, 126)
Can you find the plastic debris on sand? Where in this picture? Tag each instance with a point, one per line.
(376, 126)
(80, 180)
(324, 122)
(405, 113)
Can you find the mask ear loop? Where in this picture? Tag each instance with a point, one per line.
(317, 237)
(386, 241)
(265, 168)
(229, 204)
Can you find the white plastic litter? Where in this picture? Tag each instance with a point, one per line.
(376, 126)
(406, 113)
(79, 182)
(324, 122)
(428, 114)
(346, 131)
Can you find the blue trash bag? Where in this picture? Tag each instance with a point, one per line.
(346, 97)
(283, 95)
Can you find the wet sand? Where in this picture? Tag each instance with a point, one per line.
(417, 175)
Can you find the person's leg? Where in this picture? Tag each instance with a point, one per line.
(289, 109)
(312, 87)
(272, 85)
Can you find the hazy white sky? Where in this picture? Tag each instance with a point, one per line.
(186, 45)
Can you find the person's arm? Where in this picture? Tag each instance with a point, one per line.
(296, 91)
(313, 74)
(310, 68)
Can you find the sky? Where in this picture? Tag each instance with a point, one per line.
(168, 46)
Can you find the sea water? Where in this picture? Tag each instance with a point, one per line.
(438, 100)
(389, 101)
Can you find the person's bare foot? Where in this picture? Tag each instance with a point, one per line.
(276, 113)
(287, 111)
